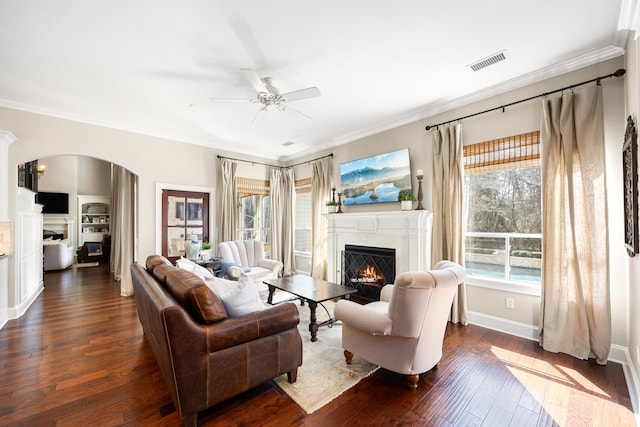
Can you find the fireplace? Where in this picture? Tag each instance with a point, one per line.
(368, 269)
(408, 232)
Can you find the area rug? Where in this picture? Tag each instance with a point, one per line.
(324, 374)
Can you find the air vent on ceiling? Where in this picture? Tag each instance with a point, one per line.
(288, 143)
(490, 60)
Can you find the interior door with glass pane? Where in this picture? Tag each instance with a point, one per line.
(184, 214)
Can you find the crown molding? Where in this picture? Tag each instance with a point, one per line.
(6, 137)
(591, 58)
(629, 18)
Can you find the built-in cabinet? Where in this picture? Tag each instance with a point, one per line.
(94, 218)
(28, 251)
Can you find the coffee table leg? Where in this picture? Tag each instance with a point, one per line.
(272, 289)
(313, 324)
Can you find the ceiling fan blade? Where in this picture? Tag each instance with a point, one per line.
(257, 119)
(231, 99)
(254, 80)
(295, 114)
(298, 95)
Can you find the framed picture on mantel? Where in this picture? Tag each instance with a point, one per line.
(630, 175)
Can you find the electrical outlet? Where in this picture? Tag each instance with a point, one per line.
(508, 303)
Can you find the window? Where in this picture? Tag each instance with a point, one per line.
(303, 216)
(503, 240)
(254, 219)
(184, 214)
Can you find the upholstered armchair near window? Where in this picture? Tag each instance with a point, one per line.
(250, 255)
(404, 331)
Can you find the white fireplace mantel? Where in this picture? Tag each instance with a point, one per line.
(408, 232)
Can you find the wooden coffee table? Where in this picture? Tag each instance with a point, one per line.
(313, 291)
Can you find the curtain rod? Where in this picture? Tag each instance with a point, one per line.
(273, 166)
(312, 160)
(618, 73)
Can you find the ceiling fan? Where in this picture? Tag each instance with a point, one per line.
(268, 96)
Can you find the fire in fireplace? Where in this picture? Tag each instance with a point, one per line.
(368, 269)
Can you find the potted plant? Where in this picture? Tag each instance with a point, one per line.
(332, 205)
(406, 200)
(205, 252)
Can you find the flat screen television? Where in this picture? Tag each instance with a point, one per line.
(53, 203)
(376, 179)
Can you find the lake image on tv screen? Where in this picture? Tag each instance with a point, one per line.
(376, 179)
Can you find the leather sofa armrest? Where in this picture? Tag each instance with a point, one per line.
(270, 264)
(371, 318)
(239, 330)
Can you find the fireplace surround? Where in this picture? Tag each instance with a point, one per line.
(408, 232)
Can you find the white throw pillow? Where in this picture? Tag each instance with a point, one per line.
(187, 264)
(239, 297)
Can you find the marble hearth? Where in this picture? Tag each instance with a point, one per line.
(408, 232)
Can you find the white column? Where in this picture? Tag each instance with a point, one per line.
(6, 138)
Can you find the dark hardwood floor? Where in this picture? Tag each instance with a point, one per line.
(79, 358)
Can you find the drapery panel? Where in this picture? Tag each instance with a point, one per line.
(228, 201)
(282, 219)
(123, 229)
(575, 307)
(320, 193)
(447, 194)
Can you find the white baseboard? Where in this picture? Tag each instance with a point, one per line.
(618, 353)
(623, 357)
(19, 310)
(499, 324)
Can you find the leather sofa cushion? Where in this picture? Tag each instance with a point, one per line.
(154, 260)
(193, 295)
(160, 273)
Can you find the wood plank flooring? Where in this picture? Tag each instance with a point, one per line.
(79, 358)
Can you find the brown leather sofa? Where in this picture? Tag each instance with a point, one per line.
(204, 356)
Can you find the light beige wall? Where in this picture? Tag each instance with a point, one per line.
(94, 176)
(517, 119)
(632, 265)
(152, 159)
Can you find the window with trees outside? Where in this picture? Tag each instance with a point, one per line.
(503, 233)
(254, 219)
(303, 219)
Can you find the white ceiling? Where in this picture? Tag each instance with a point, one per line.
(139, 65)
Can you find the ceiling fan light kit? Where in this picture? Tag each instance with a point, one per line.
(268, 96)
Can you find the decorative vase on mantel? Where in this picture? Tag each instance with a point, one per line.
(406, 205)
(192, 247)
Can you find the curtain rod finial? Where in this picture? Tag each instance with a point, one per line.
(620, 72)
(427, 128)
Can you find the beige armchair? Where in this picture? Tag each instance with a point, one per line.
(404, 331)
(250, 255)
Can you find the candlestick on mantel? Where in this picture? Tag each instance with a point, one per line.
(339, 203)
(420, 176)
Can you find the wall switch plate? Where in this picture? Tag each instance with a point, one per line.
(508, 303)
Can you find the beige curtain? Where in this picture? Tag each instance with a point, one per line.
(575, 309)
(283, 193)
(447, 208)
(227, 211)
(123, 227)
(320, 193)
